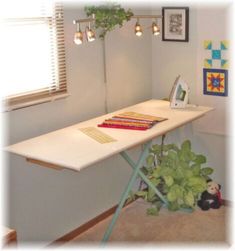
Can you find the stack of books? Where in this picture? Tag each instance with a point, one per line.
(131, 120)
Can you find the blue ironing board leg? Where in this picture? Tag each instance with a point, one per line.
(126, 192)
(144, 178)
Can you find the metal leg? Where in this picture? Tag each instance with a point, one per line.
(143, 177)
(127, 190)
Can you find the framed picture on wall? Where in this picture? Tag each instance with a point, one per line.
(215, 82)
(175, 24)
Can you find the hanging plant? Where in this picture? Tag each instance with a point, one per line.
(179, 175)
(107, 17)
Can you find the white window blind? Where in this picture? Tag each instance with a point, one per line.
(33, 54)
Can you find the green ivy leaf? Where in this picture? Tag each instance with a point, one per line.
(150, 160)
(151, 194)
(197, 184)
(186, 146)
(192, 156)
(200, 159)
(157, 172)
(155, 149)
(188, 173)
(173, 206)
(172, 155)
(196, 168)
(207, 171)
(168, 180)
(174, 193)
(189, 198)
(141, 193)
(155, 181)
(171, 196)
(108, 16)
(153, 211)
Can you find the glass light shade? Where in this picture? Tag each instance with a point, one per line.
(155, 29)
(78, 37)
(138, 30)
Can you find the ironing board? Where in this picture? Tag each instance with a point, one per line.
(70, 148)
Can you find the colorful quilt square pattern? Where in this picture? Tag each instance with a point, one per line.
(224, 45)
(208, 44)
(216, 53)
(215, 82)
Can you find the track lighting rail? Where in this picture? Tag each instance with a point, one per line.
(147, 16)
(85, 20)
(90, 34)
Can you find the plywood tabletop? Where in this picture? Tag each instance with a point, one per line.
(72, 149)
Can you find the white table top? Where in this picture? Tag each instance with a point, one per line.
(72, 149)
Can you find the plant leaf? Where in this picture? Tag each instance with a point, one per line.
(200, 159)
(189, 198)
(155, 149)
(196, 168)
(168, 180)
(186, 146)
(207, 171)
(150, 160)
(141, 193)
(173, 206)
(150, 195)
(152, 211)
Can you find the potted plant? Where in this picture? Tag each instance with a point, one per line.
(179, 175)
(107, 17)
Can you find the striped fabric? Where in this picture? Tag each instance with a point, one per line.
(131, 120)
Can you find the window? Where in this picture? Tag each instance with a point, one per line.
(33, 53)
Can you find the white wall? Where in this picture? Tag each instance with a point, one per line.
(169, 59)
(44, 204)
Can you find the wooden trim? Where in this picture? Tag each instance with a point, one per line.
(227, 203)
(44, 164)
(83, 228)
(10, 239)
(71, 235)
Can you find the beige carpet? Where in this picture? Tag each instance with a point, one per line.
(134, 226)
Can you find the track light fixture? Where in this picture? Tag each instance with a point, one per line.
(78, 36)
(138, 29)
(90, 34)
(155, 27)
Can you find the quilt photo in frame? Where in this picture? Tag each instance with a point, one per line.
(215, 82)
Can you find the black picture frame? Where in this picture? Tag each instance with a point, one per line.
(175, 24)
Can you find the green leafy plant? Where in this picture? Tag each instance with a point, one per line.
(108, 16)
(179, 175)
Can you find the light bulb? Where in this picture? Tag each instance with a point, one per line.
(155, 29)
(78, 37)
(90, 35)
(138, 29)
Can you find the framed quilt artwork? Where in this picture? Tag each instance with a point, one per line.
(215, 82)
(216, 54)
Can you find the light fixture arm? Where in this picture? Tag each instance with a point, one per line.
(147, 16)
(85, 20)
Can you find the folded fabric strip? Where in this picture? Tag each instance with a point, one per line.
(132, 121)
(123, 127)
